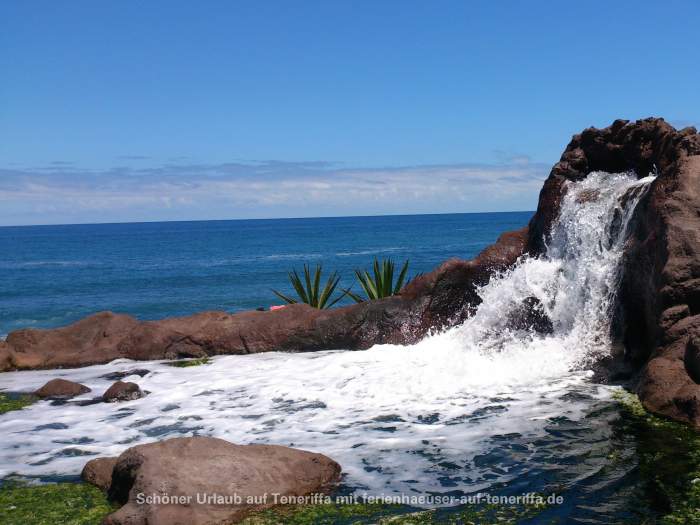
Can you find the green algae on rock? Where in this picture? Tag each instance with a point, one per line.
(52, 503)
(392, 514)
(669, 462)
(185, 363)
(9, 402)
(323, 513)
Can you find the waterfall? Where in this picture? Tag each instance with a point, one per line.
(574, 283)
(458, 411)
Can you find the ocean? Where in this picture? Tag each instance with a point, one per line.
(55, 275)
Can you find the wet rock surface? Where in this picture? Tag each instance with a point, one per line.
(530, 316)
(122, 391)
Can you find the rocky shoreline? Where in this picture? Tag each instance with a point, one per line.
(657, 319)
(441, 298)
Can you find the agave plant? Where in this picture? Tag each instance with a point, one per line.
(380, 283)
(309, 290)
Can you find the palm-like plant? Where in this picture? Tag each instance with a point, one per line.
(309, 290)
(380, 283)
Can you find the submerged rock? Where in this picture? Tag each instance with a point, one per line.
(530, 316)
(208, 480)
(122, 391)
(116, 376)
(6, 357)
(61, 388)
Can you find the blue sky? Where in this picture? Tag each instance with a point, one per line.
(166, 110)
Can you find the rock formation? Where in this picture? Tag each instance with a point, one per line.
(444, 296)
(232, 479)
(659, 297)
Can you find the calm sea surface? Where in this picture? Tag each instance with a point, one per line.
(53, 275)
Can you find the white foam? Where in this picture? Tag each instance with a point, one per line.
(398, 419)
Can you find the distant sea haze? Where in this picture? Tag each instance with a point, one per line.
(54, 275)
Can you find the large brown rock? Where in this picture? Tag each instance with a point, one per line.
(659, 296)
(440, 298)
(61, 388)
(660, 292)
(90, 341)
(98, 472)
(691, 359)
(244, 476)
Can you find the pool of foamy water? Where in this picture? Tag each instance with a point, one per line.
(396, 421)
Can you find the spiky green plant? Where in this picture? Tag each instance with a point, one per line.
(380, 283)
(309, 290)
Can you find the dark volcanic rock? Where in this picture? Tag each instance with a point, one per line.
(201, 465)
(61, 388)
(530, 316)
(692, 358)
(660, 291)
(122, 391)
(659, 296)
(98, 472)
(645, 146)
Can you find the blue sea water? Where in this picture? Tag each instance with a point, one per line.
(54, 275)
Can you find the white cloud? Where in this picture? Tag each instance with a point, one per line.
(60, 194)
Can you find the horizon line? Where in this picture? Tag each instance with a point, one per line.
(263, 219)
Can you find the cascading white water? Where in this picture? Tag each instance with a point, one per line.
(575, 282)
(436, 416)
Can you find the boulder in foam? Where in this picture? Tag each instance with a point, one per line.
(122, 391)
(204, 480)
(61, 389)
